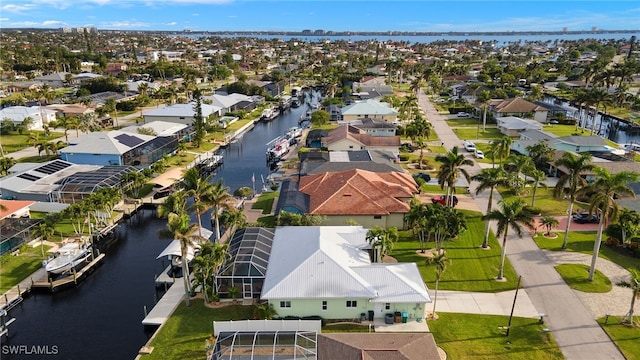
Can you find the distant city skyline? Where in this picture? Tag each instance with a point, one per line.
(346, 15)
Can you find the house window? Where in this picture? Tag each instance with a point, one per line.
(285, 304)
(181, 117)
(387, 306)
(377, 217)
(324, 305)
(350, 146)
(352, 303)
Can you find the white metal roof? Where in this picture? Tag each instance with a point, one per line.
(332, 262)
(161, 128)
(368, 107)
(104, 143)
(184, 110)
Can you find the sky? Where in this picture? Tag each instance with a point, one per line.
(344, 15)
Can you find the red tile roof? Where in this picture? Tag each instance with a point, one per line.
(13, 206)
(358, 192)
(517, 105)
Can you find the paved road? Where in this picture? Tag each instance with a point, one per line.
(576, 332)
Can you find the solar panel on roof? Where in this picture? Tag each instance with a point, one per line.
(129, 140)
(52, 167)
(28, 177)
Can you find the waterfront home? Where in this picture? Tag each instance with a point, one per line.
(566, 143)
(369, 109)
(327, 271)
(181, 113)
(372, 127)
(118, 147)
(348, 137)
(316, 162)
(15, 224)
(513, 126)
(518, 107)
(39, 115)
(59, 181)
(368, 198)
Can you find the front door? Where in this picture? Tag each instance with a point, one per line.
(247, 293)
(379, 310)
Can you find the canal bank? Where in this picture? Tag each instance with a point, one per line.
(101, 317)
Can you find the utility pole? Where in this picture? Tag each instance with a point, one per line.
(515, 297)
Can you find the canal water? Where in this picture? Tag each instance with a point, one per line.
(101, 318)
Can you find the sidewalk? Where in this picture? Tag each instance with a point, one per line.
(574, 329)
(484, 303)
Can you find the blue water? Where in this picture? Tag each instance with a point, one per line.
(101, 318)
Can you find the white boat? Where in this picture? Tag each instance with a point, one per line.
(293, 133)
(278, 148)
(68, 257)
(269, 114)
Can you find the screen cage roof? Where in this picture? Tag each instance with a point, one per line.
(274, 345)
(89, 181)
(250, 249)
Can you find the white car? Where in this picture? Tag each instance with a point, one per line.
(440, 101)
(463, 114)
(478, 154)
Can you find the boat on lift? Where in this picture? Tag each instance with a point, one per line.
(67, 257)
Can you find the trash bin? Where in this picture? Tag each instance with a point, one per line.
(371, 313)
(397, 316)
(363, 316)
(405, 316)
(388, 319)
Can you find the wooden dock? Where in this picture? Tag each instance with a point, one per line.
(165, 307)
(71, 280)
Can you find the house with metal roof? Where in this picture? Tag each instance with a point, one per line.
(17, 114)
(513, 125)
(577, 144)
(369, 109)
(181, 113)
(327, 271)
(118, 147)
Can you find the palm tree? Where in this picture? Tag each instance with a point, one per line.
(175, 203)
(549, 222)
(511, 215)
(537, 176)
(441, 262)
(196, 186)
(133, 180)
(489, 179)
(207, 264)
(573, 180)
(416, 220)
(597, 96)
(219, 199)
(634, 285)
(451, 168)
(500, 148)
(382, 238)
(184, 232)
(605, 190)
(581, 97)
(45, 231)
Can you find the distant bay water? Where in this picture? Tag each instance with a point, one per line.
(500, 40)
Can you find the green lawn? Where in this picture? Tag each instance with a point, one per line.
(18, 268)
(544, 200)
(185, 333)
(265, 202)
(473, 134)
(181, 160)
(575, 275)
(463, 122)
(63, 227)
(568, 130)
(583, 242)
(467, 336)
(626, 337)
(471, 268)
(15, 141)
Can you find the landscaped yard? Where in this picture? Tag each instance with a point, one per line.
(63, 226)
(626, 337)
(17, 268)
(583, 242)
(471, 268)
(474, 134)
(545, 201)
(185, 333)
(568, 130)
(265, 202)
(463, 122)
(575, 275)
(467, 336)
(15, 141)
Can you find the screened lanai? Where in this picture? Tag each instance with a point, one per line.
(76, 187)
(250, 249)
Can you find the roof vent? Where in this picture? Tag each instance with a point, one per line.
(347, 194)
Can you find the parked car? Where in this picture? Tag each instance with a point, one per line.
(164, 192)
(441, 199)
(585, 218)
(440, 101)
(478, 154)
(424, 176)
(406, 147)
(463, 114)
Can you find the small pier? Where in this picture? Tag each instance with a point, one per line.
(165, 307)
(164, 279)
(47, 283)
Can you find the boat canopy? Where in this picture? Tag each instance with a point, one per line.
(173, 249)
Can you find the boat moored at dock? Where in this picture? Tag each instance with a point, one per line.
(269, 114)
(277, 148)
(67, 257)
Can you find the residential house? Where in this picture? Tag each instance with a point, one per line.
(56, 80)
(327, 271)
(371, 88)
(369, 109)
(513, 126)
(368, 198)
(370, 346)
(351, 138)
(17, 114)
(518, 107)
(71, 110)
(578, 144)
(372, 127)
(15, 224)
(118, 147)
(115, 68)
(19, 86)
(181, 113)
